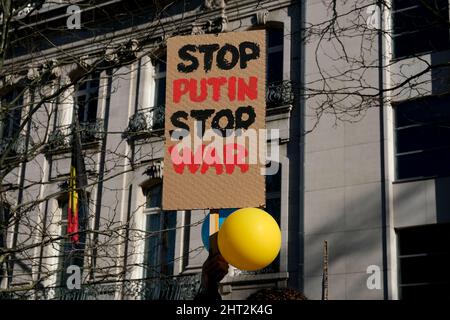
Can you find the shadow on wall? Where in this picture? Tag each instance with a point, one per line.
(354, 238)
(354, 234)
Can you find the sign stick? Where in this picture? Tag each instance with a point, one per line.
(325, 271)
(213, 231)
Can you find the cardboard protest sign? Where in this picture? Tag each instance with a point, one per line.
(215, 121)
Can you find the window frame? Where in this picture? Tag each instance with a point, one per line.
(91, 94)
(63, 205)
(4, 219)
(14, 115)
(275, 49)
(159, 76)
(428, 256)
(161, 258)
(394, 35)
(65, 257)
(396, 106)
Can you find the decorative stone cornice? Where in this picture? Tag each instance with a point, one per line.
(33, 73)
(155, 170)
(262, 16)
(11, 80)
(124, 52)
(212, 25)
(45, 71)
(214, 4)
(217, 25)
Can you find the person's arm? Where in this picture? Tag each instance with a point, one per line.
(214, 270)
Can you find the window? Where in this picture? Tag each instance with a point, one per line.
(273, 206)
(278, 91)
(420, 26)
(159, 100)
(273, 194)
(274, 39)
(424, 257)
(86, 98)
(149, 119)
(160, 243)
(159, 78)
(4, 221)
(422, 129)
(70, 253)
(10, 119)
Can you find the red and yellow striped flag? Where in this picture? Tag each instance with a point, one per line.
(72, 214)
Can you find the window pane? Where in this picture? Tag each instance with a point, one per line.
(275, 67)
(423, 137)
(426, 292)
(168, 242)
(152, 245)
(423, 127)
(160, 66)
(273, 182)
(431, 239)
(153, 197)
(402, 4)
(92, 110)
(423, 255)
(68, 254)
(274, 37)
(160, 246)
(95, 82)
(424, 164)
(87, 99)
(82, 85)
(420, 28)
(422, 111)
(160, 92)
(423, 268)
(432, 39)
(4, 220)
(82, 109)
(418, 17)
(11, 120)
(273, 206)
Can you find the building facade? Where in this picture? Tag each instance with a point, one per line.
(363, 149)
(374, 183)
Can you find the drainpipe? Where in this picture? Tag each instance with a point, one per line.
(383, 171)
(301, 181)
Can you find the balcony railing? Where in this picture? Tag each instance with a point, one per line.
(150, 120)
(60, 137)
(14, 146)
(169, 288)
(143, 123)
(279, 94)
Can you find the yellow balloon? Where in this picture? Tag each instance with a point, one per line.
(249, 239)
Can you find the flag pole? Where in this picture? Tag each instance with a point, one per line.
(80, 176)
